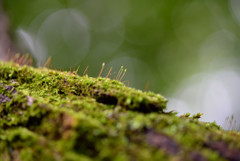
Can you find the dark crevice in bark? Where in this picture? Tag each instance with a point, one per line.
(231, 154)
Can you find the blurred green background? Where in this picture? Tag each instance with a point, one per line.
(187, 50)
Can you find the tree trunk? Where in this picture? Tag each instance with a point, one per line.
(5, 40)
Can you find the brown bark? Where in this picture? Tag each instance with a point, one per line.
(5, 40)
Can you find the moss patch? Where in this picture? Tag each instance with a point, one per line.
(52, 115)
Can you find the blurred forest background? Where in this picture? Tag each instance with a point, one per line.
(189, 51)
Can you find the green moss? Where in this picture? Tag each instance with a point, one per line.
(55, 115)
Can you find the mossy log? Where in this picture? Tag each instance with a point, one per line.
(50, 115)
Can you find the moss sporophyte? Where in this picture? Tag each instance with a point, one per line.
(48, 114)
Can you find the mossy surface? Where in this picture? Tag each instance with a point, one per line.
(52, 115)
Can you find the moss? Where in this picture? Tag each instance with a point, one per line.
(52, 115)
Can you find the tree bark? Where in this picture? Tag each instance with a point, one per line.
(5, 40)
(53, 115)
